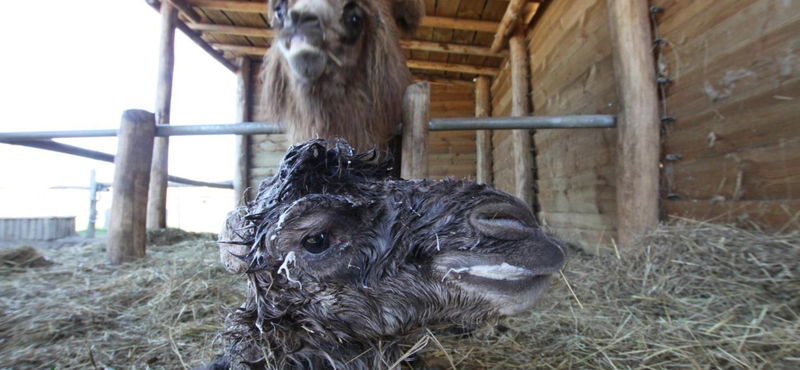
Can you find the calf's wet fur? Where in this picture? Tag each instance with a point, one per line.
(345, 265)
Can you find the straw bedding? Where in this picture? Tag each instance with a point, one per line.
(694, 296)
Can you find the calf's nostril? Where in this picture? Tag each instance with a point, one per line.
(508, 221)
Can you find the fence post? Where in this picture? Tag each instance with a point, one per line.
(157, 207)
(638, 143)
(521, 139)
(483, 138)
(127, 230)
(92, 205)
(241, 174)
(416, 116)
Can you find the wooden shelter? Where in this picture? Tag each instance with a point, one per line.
(705, 95)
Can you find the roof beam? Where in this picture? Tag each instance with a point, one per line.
(407, 44)
(260, 7)
(194, 36)
(506, 26)
(452, 67)
(417, 64)
(186, 10)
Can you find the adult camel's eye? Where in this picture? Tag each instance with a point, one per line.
(280, 12)
(353, 19)
(316, 243)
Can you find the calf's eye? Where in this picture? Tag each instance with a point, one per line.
(316, 243)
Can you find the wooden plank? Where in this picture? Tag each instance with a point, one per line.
(428, 21)
(416, 109)
(483, 141)
(127, 233)
(763, 173)
(461, 68)
(638, 121)
(157, 197)
(783, 216)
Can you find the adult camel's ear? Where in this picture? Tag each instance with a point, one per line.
(408, 13)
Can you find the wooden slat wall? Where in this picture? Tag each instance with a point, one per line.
(451, 154)
(571, 73)
(736, 98)
(46, 228)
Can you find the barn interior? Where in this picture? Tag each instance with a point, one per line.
(713, 286)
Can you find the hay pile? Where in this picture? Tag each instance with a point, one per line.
(161, 313)
(694, 296)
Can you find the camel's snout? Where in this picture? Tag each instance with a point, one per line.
(504, 220)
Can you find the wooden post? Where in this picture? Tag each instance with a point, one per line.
(157, 206)
(92, 205)
(483, 138)
(416, 116)
(638, 146)
(521, 139)
(241, 174)
(127, 232)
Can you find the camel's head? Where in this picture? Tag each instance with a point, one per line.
(348, 257)
(336, 36)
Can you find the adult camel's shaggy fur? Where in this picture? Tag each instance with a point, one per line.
(336, 68)
(345, 265)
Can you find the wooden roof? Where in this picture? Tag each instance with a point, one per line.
(454, 41)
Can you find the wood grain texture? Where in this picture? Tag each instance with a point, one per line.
(127, 231)
(521, 139)
(483, 138)
(157, 199)
(241, 147)
(416, 115)
(638, 123)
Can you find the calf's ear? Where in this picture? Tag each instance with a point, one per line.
(408, 13)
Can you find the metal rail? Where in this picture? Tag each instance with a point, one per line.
(247, 128)
(105, 157)
(522, 123)
(260, 128)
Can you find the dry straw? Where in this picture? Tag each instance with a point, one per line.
(692, 296)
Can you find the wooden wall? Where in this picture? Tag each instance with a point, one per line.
(733, 153)
(734, 148)
(451, 154)
(571, 73)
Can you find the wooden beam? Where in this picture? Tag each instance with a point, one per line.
(195, 36)
(638, 123)
(127, 232)
(186, 10)
(444, 47)
(416, 115)
(452, 67)
(260, 7)
(445, 81)
(233, 30)
(418, 64)
(241, 174)
(157, 198)
(483, 138)
(459, 24)
(241, 49)
(521, 139)
(268, 33)
(507, 24)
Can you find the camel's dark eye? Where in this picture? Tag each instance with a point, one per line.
(317, 243)
(279, 13)
(353, 19)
